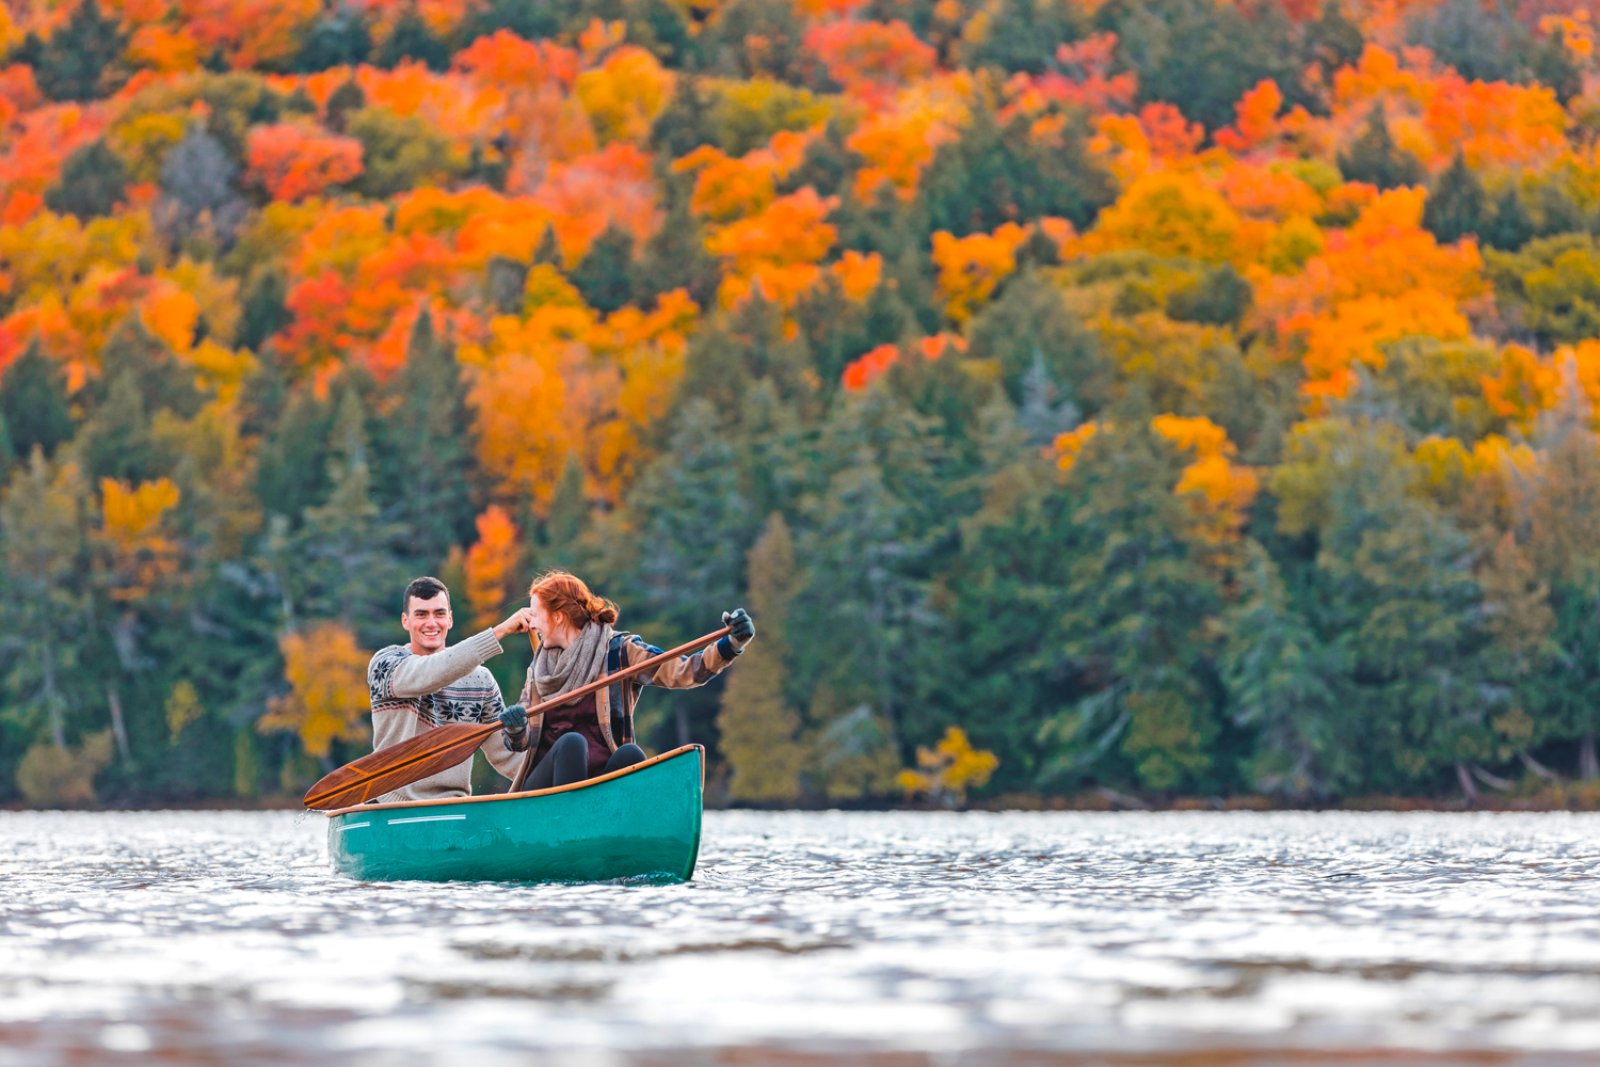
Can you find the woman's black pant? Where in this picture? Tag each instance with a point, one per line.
(568, 762)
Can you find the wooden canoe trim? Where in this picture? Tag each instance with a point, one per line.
(483, 797)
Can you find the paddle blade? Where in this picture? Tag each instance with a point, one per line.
(398, 765)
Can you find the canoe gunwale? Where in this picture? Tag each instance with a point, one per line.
(675, 753)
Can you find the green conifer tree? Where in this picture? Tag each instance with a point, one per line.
(1140, 607)
(33, 402)
(1509, 227)
(758, 727)
(424, 468)
(1374, 157)
(93, 181)
(605, 274)
(412, 38)
(1286, 684)
(82, 60)
(1457, 204)
(265, 310)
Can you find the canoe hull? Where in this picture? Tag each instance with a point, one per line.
(640, 824)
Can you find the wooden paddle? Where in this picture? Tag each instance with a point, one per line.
(445, 746)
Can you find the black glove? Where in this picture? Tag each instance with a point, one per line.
(741, 627)
(515, 721)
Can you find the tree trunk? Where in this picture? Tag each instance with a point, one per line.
(681, 718)
(52, 699)
(1465, 778)
(1493, 781)
(1538, 768)
(1588, 765)
(119, 728)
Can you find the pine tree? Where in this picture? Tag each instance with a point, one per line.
(1332, 41)
(605, 274)
(93, 181)
(548, 254)
(1023, 36)
(694, 525)
(83, 59)
(342, 562)
(1457, 205)
(1286, 684)
(425, 466)
(675, 257)
(33, 403)
(1221, 297)
(505, 284)
(43, 578)
(1141, 602)
(1374, 157)
(345, 101)
(8, 457)
(1510, 226)
(265, 311)
(291, 473)
(1029, 326)
(338, 39)
(1558, 511)
(412, 38)
(759, 729)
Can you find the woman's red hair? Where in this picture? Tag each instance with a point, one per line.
(566, 593)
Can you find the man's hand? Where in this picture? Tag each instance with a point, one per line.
(515, 721)
(518, 622)
(741, 627)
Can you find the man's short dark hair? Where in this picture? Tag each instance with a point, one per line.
(423, 588)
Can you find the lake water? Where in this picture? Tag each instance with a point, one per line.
(892, 939)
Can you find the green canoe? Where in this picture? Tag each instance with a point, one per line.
(641, 823)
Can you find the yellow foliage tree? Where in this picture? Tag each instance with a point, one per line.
(1169, 213)
(624, 96)
(949, 769)
(328, 699)
(971, 267)
(139, 554)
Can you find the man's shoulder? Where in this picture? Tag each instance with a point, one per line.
(387, 657)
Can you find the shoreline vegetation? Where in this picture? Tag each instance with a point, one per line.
(1099, 399)
(1576, 797)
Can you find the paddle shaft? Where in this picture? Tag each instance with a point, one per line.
(609, 679)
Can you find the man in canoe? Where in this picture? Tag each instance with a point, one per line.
(593, 734)
(422, 684)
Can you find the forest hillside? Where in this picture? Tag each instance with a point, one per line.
(1170, 398)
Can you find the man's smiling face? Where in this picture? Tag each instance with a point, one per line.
(428, 622)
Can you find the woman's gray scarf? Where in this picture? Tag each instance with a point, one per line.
(561, 670)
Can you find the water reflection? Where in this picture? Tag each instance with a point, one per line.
(912, 938)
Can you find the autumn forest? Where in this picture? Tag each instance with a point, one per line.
(1142, 399)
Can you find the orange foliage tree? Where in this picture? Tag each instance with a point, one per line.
(293, 161)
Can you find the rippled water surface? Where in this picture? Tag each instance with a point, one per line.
(901, 938)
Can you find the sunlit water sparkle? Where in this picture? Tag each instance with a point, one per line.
(894, 938)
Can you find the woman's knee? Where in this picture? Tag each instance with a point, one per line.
(625, 756)
(569, 743)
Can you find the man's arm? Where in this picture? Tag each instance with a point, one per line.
(416, 675)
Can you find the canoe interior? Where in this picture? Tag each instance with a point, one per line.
(641, 823)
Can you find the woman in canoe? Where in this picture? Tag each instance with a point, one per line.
(593, 734)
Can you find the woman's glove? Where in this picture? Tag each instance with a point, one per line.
(741, 627)
(515, 721)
